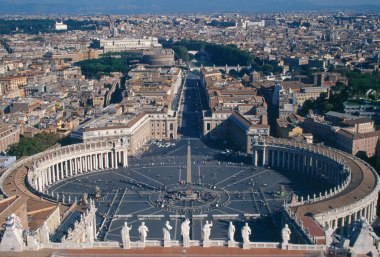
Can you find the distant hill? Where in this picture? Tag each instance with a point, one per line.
(176, 6)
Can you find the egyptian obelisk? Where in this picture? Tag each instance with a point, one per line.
(188, 171)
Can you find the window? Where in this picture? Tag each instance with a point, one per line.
(208, 126)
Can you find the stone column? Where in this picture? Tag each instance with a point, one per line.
(71, 167)
(310, 165)
(42, 181)
(60, 170)
(66, 168)
(81, 163)
(112, 159)
(85, 163)
(53, 173)
(115, 159)
(107, 162)
(125, 159)
(46, 177)
(39, 183)
(91, 162)
(373, 214)
(373, 210)
(77, 165)
(264, 157)
(49, 175)
(254, 157)
(348, 224)
(101, 161)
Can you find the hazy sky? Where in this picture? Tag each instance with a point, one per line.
(167, 6)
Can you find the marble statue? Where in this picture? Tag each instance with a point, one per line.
(166, 231)
(124, 141)
(125, 235)
(207, 230)
(70, 234)
(84, 199)
(185, 232)
(13, 236)
(329, 235)
(245, 233)
(45, 233)
(363, 240)
(143, 231)
(97, 192)
(285, 234)
(231, 232)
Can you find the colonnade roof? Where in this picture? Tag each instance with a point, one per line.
(363, 182)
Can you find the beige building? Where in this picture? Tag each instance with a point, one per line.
(9, 83)
(153, 89)
(358, 143)
(348, 133)
(125, 44)
(236, 113)
(308, 93)
(8, 136)
(135, 129)
(234, 128)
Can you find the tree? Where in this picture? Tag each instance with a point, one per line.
(29, 146)
(94, 68)
(181, 52)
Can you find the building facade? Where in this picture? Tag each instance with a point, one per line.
(9, 135)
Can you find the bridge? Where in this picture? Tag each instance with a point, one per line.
(226, 68)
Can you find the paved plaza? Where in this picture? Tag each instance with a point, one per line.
(230, 188)
(225, 184)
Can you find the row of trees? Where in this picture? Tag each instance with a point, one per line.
(94, 68)
(361, 83)
(29, 146)
(35, 26)
(214, 54)
(220, 55)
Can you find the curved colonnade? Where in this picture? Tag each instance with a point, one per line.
(354, 192)
(355, 183)
(64, 162)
